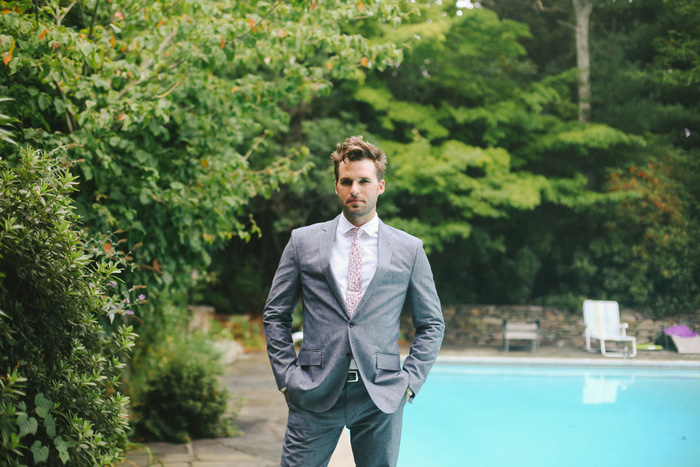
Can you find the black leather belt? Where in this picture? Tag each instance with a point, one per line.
(353, 376)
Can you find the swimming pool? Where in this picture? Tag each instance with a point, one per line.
(554, 414)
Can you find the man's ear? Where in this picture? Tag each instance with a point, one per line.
(381, 186)
(335, 187)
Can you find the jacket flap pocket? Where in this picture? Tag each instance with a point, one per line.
(388, 362)
(310, 358)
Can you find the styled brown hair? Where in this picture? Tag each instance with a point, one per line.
(355, 148)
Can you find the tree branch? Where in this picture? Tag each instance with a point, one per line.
(59, 18)
(69, 116)
(541, 7)
(36, 11)
(160, 50)
(172, 87)
(92, 27)
(256, 144)
(567, 24)
(92, 21)
(262, 18)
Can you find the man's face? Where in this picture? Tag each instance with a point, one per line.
(358, 189)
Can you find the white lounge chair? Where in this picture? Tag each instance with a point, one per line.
(602, 320)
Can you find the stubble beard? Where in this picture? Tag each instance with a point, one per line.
(355, 213)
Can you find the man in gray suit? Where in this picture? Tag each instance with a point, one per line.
(353, 275)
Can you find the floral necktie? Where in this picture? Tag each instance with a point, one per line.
(354, 291)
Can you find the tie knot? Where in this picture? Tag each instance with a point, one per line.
(356, 232)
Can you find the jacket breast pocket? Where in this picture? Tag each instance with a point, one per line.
(389, 362)
(310, 358)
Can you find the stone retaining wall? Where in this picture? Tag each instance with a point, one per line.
(481, 325)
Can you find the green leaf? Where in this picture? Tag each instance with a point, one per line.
(40, 453)
(85, 47)
(44, 101)
(27, 424)
(87, 171)
(50, 425)
(43, 405)
(62, 447)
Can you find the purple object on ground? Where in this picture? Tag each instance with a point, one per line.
(680, 331)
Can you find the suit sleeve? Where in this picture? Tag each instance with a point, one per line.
(427, 321)
(277, 315)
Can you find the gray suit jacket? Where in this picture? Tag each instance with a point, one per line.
(315, 378)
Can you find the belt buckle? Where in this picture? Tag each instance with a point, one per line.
(353, 376)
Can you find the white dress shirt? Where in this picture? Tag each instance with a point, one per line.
(340, 255)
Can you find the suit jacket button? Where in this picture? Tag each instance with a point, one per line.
(352, 323)
(348, 354)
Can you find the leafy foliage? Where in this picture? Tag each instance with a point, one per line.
(11, 391)
(624, 247)
(63, 341)
(645, 252)
(472, 138)
(489, 165)
(5, 134)
(184, 402)
(182, 103)
(677, 58)
(178, 393)
(177, 113)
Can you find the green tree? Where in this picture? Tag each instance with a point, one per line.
(177, 110)
(475, 150)
(477, 145)
(489, 164)
(177, 114)
(63, 338)
(616, 249)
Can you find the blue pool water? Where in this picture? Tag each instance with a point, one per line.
(480, 415)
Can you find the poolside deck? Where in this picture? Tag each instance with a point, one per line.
(660, 357)
(263, 413)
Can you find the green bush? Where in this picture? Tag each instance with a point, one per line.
(177, 395)
(63, 340)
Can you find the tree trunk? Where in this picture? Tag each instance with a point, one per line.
(583, 9)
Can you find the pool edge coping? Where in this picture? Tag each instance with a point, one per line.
(567, 362)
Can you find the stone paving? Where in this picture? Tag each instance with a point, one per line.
(263, 412)
(261, 421)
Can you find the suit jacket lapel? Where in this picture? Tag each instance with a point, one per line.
(325, 247)
(385, 250)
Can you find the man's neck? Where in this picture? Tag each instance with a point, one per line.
(360, 224)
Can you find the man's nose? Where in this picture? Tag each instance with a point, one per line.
(355, 188)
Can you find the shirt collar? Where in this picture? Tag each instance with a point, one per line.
(370, 227)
